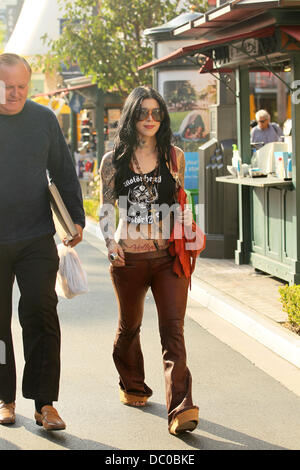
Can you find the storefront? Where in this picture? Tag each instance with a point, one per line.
(239, 37)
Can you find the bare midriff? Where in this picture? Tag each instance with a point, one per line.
(144, 237)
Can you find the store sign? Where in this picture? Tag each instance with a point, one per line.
(191, 170)
(244, 49)
(234, 53)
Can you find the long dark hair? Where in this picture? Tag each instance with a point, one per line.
(126, 139)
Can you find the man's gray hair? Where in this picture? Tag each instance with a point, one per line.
(13, 59)
(262, 113)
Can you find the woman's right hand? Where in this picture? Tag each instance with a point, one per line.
(115, 253)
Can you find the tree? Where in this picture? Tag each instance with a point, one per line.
(181, 95)
(105, 39)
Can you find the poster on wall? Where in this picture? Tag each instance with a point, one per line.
(188, 96)
(188, 103)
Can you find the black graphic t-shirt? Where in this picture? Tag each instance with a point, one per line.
(143, 207)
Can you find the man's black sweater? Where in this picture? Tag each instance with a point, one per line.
(31, 142)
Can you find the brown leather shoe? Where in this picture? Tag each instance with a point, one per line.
(49, 419)
(7, 413)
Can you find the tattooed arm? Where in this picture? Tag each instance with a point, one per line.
(107, 207)
(180, 165)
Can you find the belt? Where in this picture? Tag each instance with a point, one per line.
(147, 255)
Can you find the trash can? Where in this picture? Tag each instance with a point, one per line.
(219, 200)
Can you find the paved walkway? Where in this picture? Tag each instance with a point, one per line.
(255, 289)
(241, 406)
(243, 296)
(248, 286)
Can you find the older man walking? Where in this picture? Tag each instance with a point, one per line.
(31, 143)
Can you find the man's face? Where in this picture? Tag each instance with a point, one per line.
(263, 123)
(15, 79)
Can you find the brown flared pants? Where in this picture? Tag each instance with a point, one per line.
(131, 283)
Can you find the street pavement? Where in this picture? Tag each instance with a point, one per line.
(239, 385)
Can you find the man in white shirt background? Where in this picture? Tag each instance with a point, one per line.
(265, 131)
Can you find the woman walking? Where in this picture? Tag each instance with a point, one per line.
(138, 175)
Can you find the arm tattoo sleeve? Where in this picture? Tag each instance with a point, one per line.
(181, 167)
(107, 199)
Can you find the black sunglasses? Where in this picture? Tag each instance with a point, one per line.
(155, 113)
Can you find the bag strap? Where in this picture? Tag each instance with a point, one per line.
(174, 166)
(174, 159)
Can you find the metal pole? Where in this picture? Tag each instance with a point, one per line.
(100, 125)
(74, 135)
(242, 253)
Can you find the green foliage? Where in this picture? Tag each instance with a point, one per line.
(290, 298)
(105, 38)
(182, 95)
(91, 207)
(177, 118)
(197, 5)
(95, 187)
(92, 204)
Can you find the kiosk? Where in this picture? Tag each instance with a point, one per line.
(241, 36)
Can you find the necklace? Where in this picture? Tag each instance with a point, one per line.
(149, 187)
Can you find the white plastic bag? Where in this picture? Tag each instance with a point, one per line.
(71, 278)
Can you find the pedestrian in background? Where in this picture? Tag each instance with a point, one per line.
(31, 142)
(265, 131)
(138, 172)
